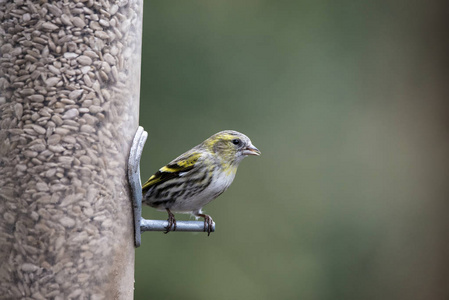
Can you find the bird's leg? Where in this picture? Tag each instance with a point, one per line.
(171, 221)
(207, 222)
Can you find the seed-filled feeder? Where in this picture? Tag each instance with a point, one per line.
(69, 106)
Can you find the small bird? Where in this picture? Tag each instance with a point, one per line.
(198, 176)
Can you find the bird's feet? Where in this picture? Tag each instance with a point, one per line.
(171, 222)
(208, 222)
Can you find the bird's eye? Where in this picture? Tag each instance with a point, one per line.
(236, 141)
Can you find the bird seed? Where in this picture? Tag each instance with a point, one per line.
(69, 96)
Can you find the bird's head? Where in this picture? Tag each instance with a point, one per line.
(230, 146)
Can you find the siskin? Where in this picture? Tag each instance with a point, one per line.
(198, 176)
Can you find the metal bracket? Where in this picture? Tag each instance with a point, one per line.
(140, 224)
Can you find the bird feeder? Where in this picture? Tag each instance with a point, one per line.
(69, 191)
(69, 98)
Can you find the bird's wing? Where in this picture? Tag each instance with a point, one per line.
(176, 168)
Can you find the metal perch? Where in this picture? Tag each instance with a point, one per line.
(140, 224)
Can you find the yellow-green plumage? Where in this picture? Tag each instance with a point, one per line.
(181, 165)
(198, 176)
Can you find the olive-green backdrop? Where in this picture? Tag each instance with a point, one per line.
(346, 101)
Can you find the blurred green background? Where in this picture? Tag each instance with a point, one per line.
(347, 102)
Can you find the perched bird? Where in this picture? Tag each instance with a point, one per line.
(198, 176)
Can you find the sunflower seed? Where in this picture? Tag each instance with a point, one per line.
(84, 60)
(49, 26)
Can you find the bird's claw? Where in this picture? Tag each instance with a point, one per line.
(208, 224)
(171, 222)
